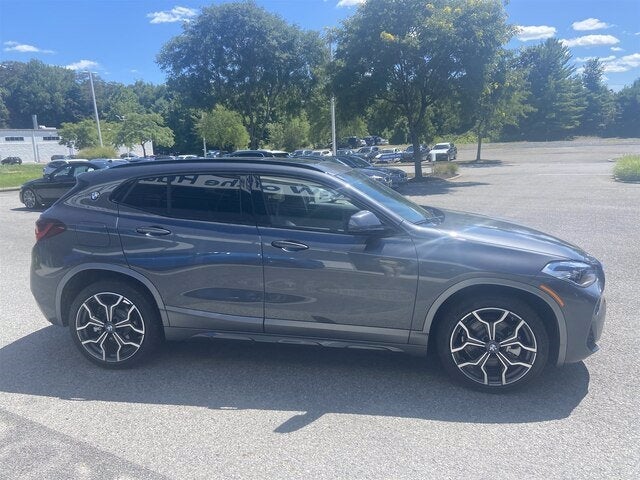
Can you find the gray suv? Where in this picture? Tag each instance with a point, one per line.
(310, 253)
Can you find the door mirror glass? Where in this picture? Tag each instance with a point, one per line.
(365, 221)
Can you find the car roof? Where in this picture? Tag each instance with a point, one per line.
(160, 167)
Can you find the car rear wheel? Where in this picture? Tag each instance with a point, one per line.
(114, 325)
(29, 199)
(493, 344)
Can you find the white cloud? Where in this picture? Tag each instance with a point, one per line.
(350, 3)
(623, 64)
(176, 14)
(617, 49)
(605, 59)
(82, 65)
(534, 32)
(590, 24)
(23, 48)
(590, 41)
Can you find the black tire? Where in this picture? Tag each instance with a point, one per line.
(123, 338)
(470, 355)
(29, 199)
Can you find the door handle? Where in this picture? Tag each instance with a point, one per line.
(289, 245)
(153, 231)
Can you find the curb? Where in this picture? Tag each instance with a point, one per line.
(10, 189)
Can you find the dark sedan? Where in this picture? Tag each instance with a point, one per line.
(44, 191)
(11, 161)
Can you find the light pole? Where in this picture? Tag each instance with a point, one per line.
(333, 105)
(95, 108)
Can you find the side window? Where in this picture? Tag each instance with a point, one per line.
(149, 194)
(81, 169)
(305, 204)
(63, 172)
(204, 197)
(208, 197)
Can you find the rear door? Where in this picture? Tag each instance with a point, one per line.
(194, 236)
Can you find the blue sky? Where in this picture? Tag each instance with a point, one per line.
(119, 39)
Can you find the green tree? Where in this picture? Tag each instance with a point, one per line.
(554, 94)
(4, 111)
(140, 128)
(628, 111)
(411, 53)
(245, 58)
(34, 88)
(502, 100)
(599, 111)
(79, 135)
(223, 128)
(290, 134)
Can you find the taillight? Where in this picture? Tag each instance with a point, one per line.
(47, 227)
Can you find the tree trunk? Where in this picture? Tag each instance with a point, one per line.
(479, 146)
(144, 152)
(417, 154)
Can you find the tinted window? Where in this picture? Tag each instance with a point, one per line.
(205, 197)
(149, 194)
(305, 204)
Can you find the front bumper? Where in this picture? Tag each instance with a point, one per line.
(584, 311)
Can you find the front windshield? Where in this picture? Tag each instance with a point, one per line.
(392, 200)
(440, 146)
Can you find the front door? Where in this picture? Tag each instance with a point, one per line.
(321, 280)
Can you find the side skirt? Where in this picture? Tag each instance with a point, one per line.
(176, 334)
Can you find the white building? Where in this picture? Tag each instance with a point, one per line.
(39, 145)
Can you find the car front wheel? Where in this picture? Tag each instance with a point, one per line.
(114, 325)
(493, 344)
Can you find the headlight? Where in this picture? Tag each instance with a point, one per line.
(578, 273)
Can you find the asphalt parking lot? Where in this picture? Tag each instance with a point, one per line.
(227, 410)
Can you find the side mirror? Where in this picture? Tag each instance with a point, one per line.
(365, 222)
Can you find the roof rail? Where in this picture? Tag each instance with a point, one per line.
(308, 164)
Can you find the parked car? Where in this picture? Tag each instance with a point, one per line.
(375, 140)
(407, 155)
(368, 152)
(11, 161)
(350, 142)
(320, 153)
(53, 165)
(345, 151)
(378, 174)
(128, 155)
(301, 153)
(330, 258)
(44, 191)
(186, 157)
(443, 152)
(388, 155)
(394, 177)
(259, 153)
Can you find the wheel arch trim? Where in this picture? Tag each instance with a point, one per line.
(122, 270)
(493, 282)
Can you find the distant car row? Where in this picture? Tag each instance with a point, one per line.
(59, 176)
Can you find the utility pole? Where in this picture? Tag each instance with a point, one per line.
(95, 108)
(333, 108)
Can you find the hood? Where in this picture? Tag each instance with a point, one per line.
(487, 230)
(37, 181)
(439, 150)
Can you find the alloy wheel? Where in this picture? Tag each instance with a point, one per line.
(29, 199)
(110, 327)
(493, 346)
